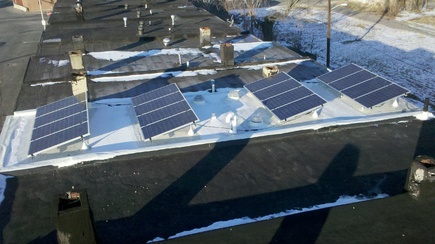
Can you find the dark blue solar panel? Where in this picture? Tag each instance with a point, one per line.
(168, 124)
(58, 138)
(158, 103)
(339, 73)
(284, 98)
(276, 89)
(381, 95)
(59, 125)
(56, 105)
(265, 82)
(59, 114)
(366, 87)
(287, 97)
(56, 123)
(351, 80)
(162, 110)
(163, 113)
(298, 107)
(154, 94)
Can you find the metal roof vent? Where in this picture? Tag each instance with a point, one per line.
(234, 94)
(199, 99)
(166, 41)
(256, 121)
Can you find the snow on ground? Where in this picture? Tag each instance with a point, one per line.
(400, 55)
(343, 200)
(57, 63)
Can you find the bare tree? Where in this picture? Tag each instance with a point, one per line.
(289, 5)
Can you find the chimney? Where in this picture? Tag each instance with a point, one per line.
(269, 71)
(76, 59)
(78, 43)
(227, 54)
(79, 84)
(204, 36)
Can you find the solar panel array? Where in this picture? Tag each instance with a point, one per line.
(59, 122)
(284, 96)
(361, 85)
(162, 110)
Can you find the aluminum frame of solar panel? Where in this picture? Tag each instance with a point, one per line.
(162, 110)
(283, 96)
(59, 122)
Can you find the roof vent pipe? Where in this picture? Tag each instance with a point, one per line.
(173, 19)
(126, 6)
(138, 13)
(213, 86)
(125, 21)
(166, 41)
(146, 6)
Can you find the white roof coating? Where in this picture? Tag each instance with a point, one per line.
(114, 129)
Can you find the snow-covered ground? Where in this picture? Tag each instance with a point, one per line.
(398, 54)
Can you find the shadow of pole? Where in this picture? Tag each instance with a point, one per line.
(306, 227)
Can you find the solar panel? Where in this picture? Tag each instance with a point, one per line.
(263, 83)
(59, 122)
(299, 106)
(339, 73)
(284, 96)
(351, 80)
(378, 96)
(366, 87)
(363, 86)
(162, 110)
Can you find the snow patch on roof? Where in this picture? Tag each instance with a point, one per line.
(342, 200)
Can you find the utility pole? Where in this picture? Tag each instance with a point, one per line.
(328, 36)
